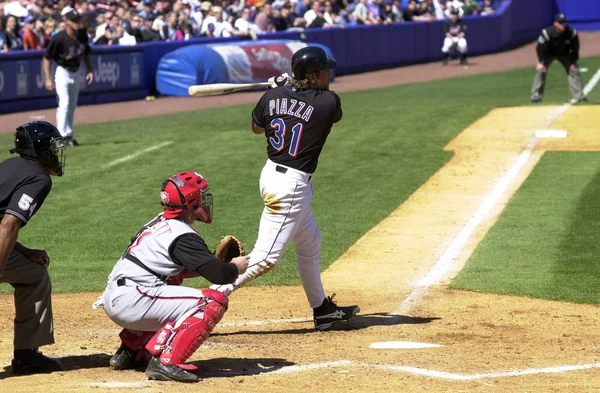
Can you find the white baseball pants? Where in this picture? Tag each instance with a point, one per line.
(67, 90)
(287, 217)
(450, 44)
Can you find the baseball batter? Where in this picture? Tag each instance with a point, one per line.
(68, 49)
(160, 318)
(455, 30)
(296, 121)
(24, 185)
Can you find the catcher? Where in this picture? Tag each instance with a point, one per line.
(163, 322)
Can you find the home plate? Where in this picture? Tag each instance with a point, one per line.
(551, 134)
(401, 345)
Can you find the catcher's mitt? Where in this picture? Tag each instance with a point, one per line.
(228, 248)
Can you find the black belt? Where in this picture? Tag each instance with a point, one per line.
(71, 69)
(281, 169)
(133, 259)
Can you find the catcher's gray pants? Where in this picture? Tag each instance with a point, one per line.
(33, 303)
(575, 84)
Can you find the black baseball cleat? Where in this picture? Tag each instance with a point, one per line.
(329, 313)
(445, 62)
(33, 362)
(584, 99)
(124, 359)
(161, 372)
(536, 99)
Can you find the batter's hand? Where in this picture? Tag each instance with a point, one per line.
(39, 256)
(49, 85)
(241, 262)
(89, 78)
(540, 67)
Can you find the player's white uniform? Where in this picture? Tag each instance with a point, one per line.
(137, 299)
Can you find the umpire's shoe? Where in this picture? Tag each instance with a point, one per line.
(162, 372)
(30, 361)
(329, 313)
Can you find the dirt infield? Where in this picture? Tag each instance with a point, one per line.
(488, 343)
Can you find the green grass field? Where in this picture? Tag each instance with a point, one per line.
(389, 142)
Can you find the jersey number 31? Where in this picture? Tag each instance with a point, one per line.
(278, 140)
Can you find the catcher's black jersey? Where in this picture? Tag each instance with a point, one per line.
(24, 185)
(455, 28)
(297, 124)
(66, 51)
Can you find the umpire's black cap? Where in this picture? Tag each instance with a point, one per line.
(560, 18)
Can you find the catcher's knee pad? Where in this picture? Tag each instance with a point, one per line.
(175, 345)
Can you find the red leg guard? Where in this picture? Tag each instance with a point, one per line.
(195, 329)
(160, 340)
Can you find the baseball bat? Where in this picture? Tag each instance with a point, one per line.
(216, 89)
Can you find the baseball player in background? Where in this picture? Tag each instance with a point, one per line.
(296, 121)
(68, 49)
(24, 185)
(455, 30)
(558, 42)
(163, 322)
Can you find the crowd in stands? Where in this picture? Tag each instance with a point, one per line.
(29, 24)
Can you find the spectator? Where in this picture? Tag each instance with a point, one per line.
(411, 13)
(396, 10)
(243, 24)
(488, 8)
(294, 20)
(387, 14)
(17, 9)
(374, 12)
(158, 23)
(427, 8)
(134, 28)
(279, 21)
(50, 27)
(3, 39)
(454, 5)
(38, 28)
(149, 34)
(13, 39)
(361, 13)
(169, 31)
(31, 41)
(263, 20)
(107, 38)
(302, 7)
(84, 7)
(345, 19)
(311, 14)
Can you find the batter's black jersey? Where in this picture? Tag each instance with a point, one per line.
(455, 28)
(552, 43)
(24, 185)
(297, 124)
(66, 51)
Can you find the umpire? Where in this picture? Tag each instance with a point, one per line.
(24, 184)
(558, 42)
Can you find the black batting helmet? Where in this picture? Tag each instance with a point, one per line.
(310, 59)
(41, 140)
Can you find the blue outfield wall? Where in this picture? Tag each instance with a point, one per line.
(582, 14)
(127, 73)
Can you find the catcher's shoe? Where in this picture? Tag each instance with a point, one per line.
(125, 359)
(33, 362)
(329, 313)
(162, 372)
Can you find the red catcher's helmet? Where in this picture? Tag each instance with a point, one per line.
(187, 190)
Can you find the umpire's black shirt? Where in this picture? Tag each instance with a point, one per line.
(297, 124)
(24, 185)
(551, 44)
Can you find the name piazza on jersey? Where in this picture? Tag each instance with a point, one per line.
(280, 107)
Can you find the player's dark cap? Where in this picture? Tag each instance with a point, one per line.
(560, 18)
(310, 59)
(71, 14)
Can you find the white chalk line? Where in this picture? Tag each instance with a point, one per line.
(136, 154)
(383, 367)
(448, 257)
(260, 323)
